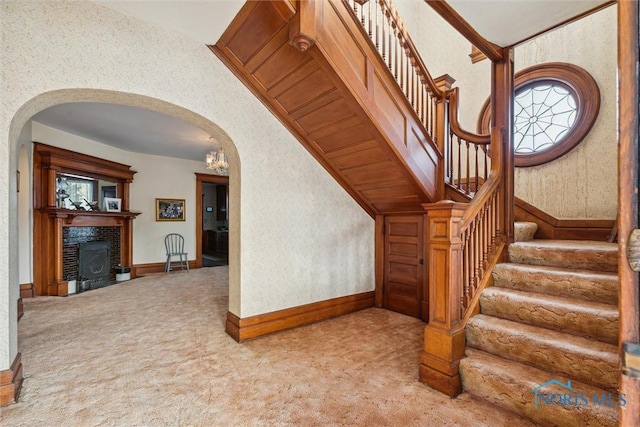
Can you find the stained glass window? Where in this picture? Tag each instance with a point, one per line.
(544, 113)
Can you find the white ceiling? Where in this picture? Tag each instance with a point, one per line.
(508, 22)
(129, 128)
(503, 22)
(200, 20)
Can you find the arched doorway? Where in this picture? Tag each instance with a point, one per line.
(19, 259)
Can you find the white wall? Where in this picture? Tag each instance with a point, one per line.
(157, 177)
(301, 237)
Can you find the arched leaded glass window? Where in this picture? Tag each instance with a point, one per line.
(555, 106)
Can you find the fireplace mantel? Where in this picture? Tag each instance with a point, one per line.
(78, 218)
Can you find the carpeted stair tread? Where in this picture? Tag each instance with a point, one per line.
(588, 285)
(524, 231)
(582, 359)
(590, 255)
(510, 385)
(563, 314)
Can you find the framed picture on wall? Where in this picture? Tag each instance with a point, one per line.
(170, 209)
(111, 204)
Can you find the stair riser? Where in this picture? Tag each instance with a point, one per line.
(510, 386)
(569, 258)
(524, 231)
(594, 321)
(592, 363)
(595, 287)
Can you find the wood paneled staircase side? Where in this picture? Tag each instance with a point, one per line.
(548, 328)
(337, 99)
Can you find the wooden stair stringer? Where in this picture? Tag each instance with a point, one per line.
(339, 101)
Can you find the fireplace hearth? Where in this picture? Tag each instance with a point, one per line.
(94, 263)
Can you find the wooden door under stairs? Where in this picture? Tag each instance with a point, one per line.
(404, 266)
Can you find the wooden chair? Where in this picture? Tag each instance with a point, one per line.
(174, 244)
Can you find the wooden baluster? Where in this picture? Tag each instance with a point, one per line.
(390, 41)
(383, 35)
(370, 19)
(398, 47)
(477, 180)
(468, 169)
(486, 166)
(457, 155)
(466, 263)
(377, 13)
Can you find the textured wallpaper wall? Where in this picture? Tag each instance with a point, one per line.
(581, 184)
(299, 237)
(584, 182)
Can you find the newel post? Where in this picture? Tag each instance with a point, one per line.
(444, 340)
(443, 83)
(302, 31)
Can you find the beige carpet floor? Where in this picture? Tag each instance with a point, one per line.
(153, 352)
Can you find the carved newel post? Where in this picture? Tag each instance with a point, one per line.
(444, 340)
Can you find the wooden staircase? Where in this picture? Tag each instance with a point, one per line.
(313, 65)
(551, 315)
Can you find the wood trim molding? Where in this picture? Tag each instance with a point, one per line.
(575, 79)
(628, 135)
(492, 51)
(26, 290)
(138, 270)
(268, 323)
(566, 22)
(200, 179)
(476, 55)
(550, 227)
(11, 382)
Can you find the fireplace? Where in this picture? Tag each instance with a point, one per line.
(94, 263)
(91, 254)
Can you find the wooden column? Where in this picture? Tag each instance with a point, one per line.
(125, 196)
(50, 188)
(379, 261)
(628, 183)
(58, 286)
(443, 83)
(444, 339)
(502, 95)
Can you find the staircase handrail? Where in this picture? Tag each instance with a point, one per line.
(454, 101)
(397, 51)
(411, 47)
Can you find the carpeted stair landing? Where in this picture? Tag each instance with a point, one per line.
(551, 317)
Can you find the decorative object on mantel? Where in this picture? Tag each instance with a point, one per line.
(217, 160)
(170, 209)
(93, 206)
(61, 191)
(112, 204)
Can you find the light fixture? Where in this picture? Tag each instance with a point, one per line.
(217, 160)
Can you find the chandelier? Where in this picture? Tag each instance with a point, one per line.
(217, 160)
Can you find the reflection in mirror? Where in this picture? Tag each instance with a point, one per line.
(81, 192)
